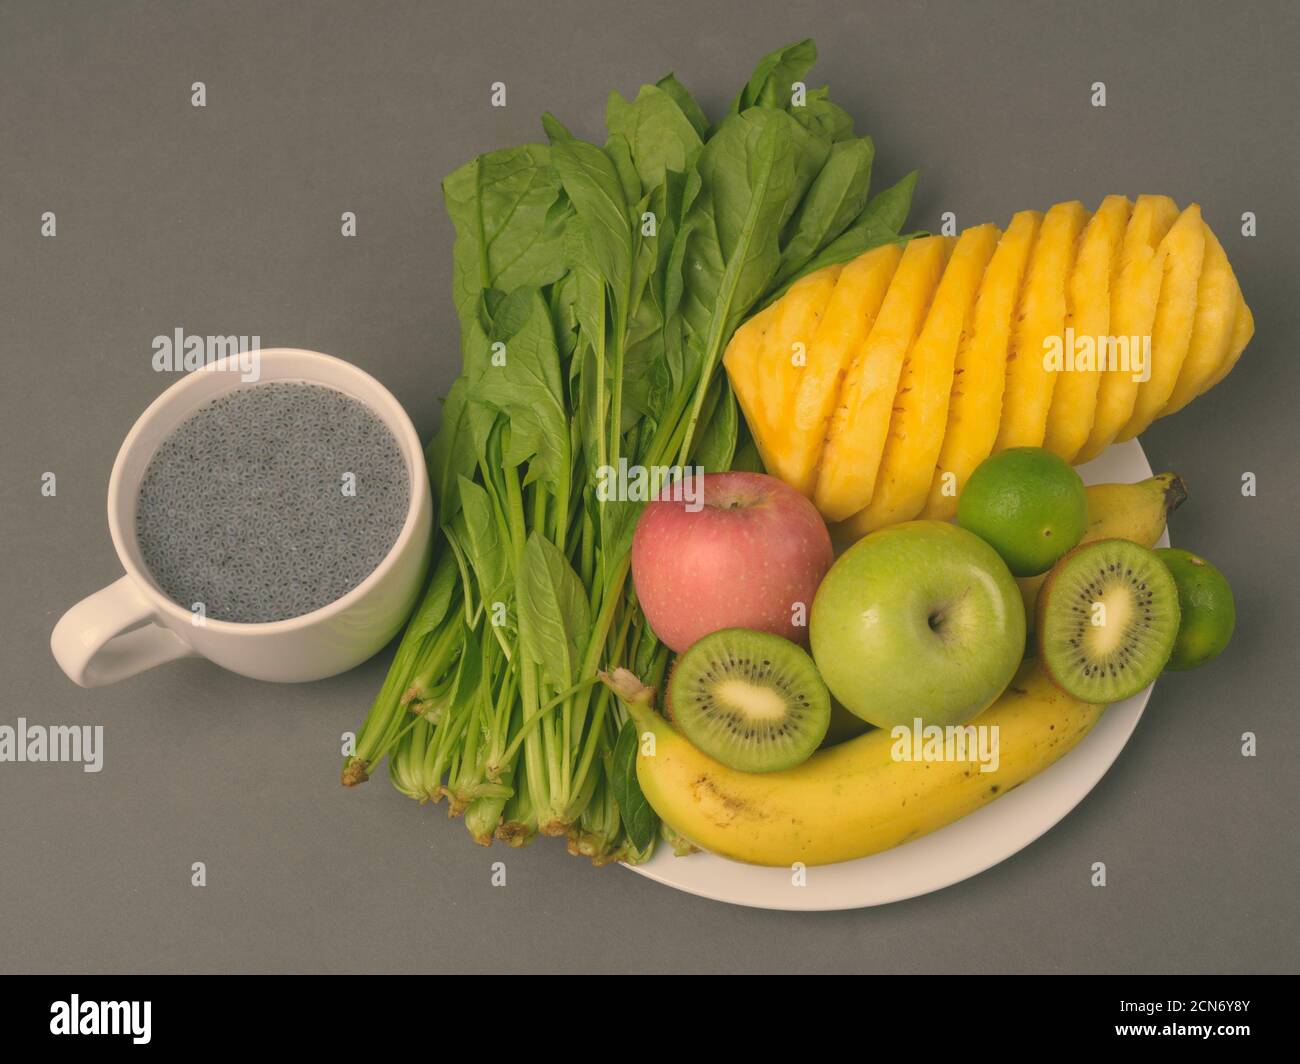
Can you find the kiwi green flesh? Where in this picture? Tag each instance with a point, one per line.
(751, 700)
(1105, 655)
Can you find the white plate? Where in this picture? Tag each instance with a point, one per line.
(951, 854)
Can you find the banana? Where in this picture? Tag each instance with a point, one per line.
(850, 800)
(1119, 511)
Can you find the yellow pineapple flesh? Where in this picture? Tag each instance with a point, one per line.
(1132, 314)
(921, 405)
(741, 362)
(975, 405)
(784, 352)
(849, 315)
(1242, 330)
(878, 387)
(1040, 318)
(856, 437)
(1074, 399)
(1171, 333)
(1217, 298)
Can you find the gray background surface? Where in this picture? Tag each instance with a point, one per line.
(226, 220)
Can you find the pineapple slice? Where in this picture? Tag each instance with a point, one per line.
(1132, 314)
(784, 353)
(1217, 297)
(856, 438)
(741, 362)
(975, 406)
(1074, 399)
(844, 326)
(1175, 313)
(918, 362)
(1041, 316)
(925, 384)
(1243, 329)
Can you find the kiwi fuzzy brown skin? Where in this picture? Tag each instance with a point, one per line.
(1045, 597)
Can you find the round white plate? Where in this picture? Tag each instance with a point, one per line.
(951, 854)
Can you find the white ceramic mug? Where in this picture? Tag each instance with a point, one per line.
(131, 625)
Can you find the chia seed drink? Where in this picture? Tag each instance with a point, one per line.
(271, 501)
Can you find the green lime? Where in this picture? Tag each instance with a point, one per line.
(1028, 504)
(1209, 613)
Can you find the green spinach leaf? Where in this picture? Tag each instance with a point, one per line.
(450, 453)
(749, 174)
(835, 199)
(482, 542)
(660, 134)
(682, 97)
(469, 670)
(747, 457)
(526, 384)
(879, 223)
(554, 616)
(823, 118)
(436, 602)
(639, 820)
(596, 190)
(772, 81)
(717, 443)
(507, 211)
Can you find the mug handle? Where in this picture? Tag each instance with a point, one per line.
(89, 644)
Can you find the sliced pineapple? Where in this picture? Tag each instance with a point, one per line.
(877, 388)
(975, 405)
(1074, 398)
(1175, 313)
(844, 326)
(920, 410)
(741, 362)
(1217, 299)
(856, 437)
(1041, 317)
(1132, 315)
(1242, 330)
(784, 353)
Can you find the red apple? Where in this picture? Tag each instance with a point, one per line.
(750, 557)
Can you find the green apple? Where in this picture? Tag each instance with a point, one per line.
(919, 620)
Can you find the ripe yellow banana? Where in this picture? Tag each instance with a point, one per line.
(1119, 511)
(850, 800)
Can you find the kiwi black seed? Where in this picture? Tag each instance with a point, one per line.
(1105, 654)
(749, 699)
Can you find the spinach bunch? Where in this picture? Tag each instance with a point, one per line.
(596, 287)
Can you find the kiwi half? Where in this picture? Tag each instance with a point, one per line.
(749, 699)
(1106, 621)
